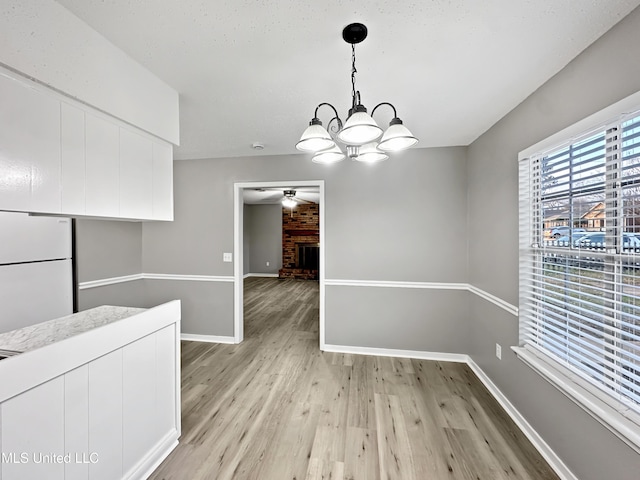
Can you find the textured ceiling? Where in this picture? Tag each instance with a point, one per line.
(254, 71)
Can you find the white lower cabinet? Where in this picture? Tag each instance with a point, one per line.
(105, 416)
(139, 431)
(76, 423)
(105, 420)
(33, 433)
(148, 389)
(167, 360)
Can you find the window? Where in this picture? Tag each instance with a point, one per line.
(580, 271)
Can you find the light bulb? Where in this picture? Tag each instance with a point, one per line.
(289, 202)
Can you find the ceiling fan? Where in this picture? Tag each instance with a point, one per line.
(290, 199)
(289, 196)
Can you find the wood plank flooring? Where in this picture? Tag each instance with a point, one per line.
(276, 408)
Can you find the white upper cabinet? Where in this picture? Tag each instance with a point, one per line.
(162, 181)
(29, 148)
(102, 167)
(136, 177)
(60, 156)
(73, 160)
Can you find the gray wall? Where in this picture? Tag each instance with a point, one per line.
(126, 294)
(380, 317)
(604, 73)
(401, 220)
(263, 225)
(205, 306)
(106, 249)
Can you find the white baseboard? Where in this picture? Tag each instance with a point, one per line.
(265, 275)
(534, 437)
(154, 458)
(387, 352)
(191, 337)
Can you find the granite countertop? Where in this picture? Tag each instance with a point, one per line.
(45, 333)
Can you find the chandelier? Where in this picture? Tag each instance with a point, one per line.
(360, 133)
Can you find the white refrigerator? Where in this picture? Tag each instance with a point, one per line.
(36, 270)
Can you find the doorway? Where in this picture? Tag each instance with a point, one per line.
(238, 248)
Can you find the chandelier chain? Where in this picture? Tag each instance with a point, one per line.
(353, 75)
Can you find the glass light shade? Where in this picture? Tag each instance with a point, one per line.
(360, 128)
(331, 155)
(289, 202)
(314, 139)
(369, 153)
(396, 137)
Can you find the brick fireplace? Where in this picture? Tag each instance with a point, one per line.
(300, 242)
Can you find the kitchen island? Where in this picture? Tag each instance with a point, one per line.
(91, 395)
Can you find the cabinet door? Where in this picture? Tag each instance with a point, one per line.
(105, 416)
(136, 178)
(162, 181)
(168, 414)
(73, 160)
(29, 148)
(140, 428)
(76, 423)
(102, 167)
(33, 431)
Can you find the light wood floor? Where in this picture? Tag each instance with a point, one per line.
(276, 408)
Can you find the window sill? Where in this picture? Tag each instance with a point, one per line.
(621, 421)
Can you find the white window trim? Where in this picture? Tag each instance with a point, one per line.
(625, 424)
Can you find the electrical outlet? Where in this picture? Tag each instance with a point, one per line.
(498, 351)
(227, 257)
(267, 264)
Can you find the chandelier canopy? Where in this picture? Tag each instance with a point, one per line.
(360, 134)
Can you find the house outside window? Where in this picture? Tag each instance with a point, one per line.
(580, 271)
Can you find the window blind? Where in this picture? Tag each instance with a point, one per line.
(580, 259)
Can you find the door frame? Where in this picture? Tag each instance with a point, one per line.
(238, 251)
